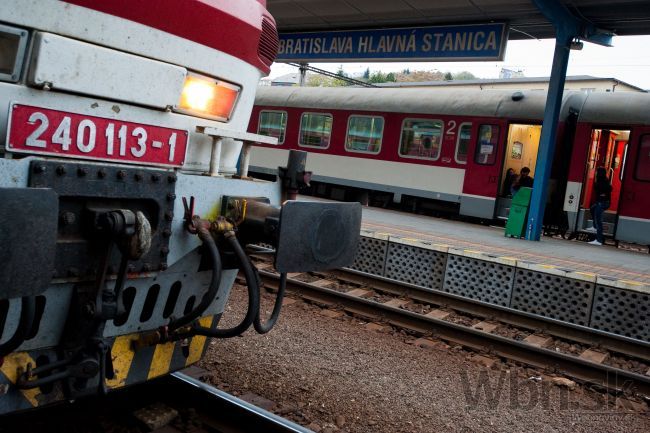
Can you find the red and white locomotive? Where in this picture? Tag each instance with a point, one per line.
(124, 215)
(451, 149)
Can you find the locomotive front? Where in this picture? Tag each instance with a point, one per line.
(125, 202)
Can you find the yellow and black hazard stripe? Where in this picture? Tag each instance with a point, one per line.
(146, 363)
(131, 366)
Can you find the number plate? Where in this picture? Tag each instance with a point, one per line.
(60, 133)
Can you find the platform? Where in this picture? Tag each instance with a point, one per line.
(604, 261)
(599, 287)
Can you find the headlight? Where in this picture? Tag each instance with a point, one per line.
(208, 97)
(13, 42)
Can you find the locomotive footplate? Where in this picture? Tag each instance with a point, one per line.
(85, 188)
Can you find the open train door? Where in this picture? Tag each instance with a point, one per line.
(481, 183)
(521, 149)
(634, 200)
(608, 149)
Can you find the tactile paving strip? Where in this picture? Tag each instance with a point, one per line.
(371, 256)
(621, 312)
(553, 296)
(414, 265)
(479, 279)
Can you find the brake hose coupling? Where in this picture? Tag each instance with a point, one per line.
(222, 226)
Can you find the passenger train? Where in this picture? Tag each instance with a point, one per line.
(126, 208)
(451, 149)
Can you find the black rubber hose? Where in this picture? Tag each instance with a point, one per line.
(253, 297)
(27, 312)
(263, 328)
(213, 289)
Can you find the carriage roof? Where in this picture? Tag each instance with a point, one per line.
(624, 108)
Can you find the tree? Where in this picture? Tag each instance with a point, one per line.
(318, 80)
(448, 76)
(464, 75)
(390, 77)
(366, 74)
(377, 77)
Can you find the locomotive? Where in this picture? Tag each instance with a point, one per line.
(452, 150)
(127, 207)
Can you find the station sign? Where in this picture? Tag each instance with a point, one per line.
(471, 42)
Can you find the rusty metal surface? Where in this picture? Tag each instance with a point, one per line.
(82, 186)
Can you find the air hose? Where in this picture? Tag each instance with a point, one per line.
(213, 289)
(27, 311)
(253, 296)
(263, 328)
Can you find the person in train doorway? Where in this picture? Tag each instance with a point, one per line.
(603, 195)
(508, 180)
(524, 180)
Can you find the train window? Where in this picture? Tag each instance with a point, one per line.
(315, 130)
(273, 124)
(421, 138)
(486, 149)
(364, 134)
(464, 133)
(642, 171)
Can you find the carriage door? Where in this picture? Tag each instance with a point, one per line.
(481, 182)
(607, 149)
(521, 151)
(634, 207)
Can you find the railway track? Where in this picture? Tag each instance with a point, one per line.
(177, 403)
(602, 360)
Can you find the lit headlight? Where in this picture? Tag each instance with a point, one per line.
(208, 97)
(13, 43)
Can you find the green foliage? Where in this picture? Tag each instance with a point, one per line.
(318, 80)
(448, 76)
(380, 77)
(464, 75)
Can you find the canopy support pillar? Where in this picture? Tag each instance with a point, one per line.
(567, 29)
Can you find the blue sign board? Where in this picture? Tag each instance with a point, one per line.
(437, 43)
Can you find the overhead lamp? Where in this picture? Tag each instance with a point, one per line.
(576, 45)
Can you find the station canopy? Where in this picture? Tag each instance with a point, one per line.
(627, 17)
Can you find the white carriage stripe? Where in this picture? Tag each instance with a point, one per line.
(484, 197)
(633, 218)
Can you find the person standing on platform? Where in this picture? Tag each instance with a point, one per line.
(602, 194)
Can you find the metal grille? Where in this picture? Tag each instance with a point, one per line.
(189, 287)
(621, 312)
(479, 279)
(415, 265)
(269, 42)
(370, 256)
(553, 296)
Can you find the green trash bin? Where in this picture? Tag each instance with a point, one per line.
(516, 225)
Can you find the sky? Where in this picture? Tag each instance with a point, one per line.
(628, 60)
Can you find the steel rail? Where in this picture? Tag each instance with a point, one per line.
(206, 408)
(231, 410)
(599, 375)
(558, 328)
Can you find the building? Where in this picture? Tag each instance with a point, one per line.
(585, 83)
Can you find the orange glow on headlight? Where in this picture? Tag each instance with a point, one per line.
(208, 97)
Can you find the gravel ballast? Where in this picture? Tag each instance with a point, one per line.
(335, 373)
